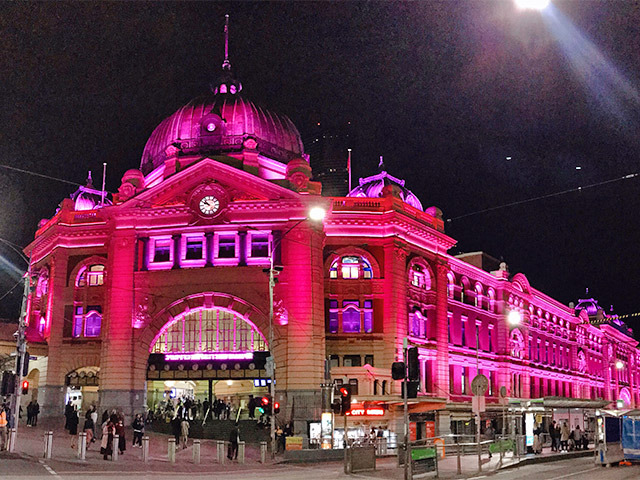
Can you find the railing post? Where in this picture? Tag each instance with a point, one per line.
(145, 449)
(241, 452)
(82, 445)
(48, 444)
(114, 447)
(263, 452)
(220, 451)
(172, 450)
(196, 451)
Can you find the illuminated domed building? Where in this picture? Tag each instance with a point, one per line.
(160, 290)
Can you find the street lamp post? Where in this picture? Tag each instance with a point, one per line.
(315, 214)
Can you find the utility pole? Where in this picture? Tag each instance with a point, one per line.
(21, 347)
(405, 394)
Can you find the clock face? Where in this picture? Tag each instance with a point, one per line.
(209, 205)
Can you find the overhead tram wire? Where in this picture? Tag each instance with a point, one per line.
(49, 177)
(542, 197)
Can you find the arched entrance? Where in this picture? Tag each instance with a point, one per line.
(208, 352)
(82, 387)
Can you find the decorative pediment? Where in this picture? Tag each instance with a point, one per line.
(238, 185)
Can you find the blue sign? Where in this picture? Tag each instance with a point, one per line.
(631, 438)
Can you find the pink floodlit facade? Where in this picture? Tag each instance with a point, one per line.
(164, 282)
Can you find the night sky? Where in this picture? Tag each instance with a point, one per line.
(475, 103)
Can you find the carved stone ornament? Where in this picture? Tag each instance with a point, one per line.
(516, 341)
(280, 313)
(141, 315)
(582, 362)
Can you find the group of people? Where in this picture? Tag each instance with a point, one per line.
(565, 439)
(112, 423)
(33, 410)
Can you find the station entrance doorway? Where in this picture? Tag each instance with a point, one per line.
(208, 359)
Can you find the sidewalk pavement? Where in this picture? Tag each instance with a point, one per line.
(30, 445)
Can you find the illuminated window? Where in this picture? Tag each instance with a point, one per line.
(368, 316)
(77, 322)
(333, 316)
(350, 317)
(259, 245)
(162, 250)
(351, 267)
(226, 246)
(92, 324)
(92, 275)
(194, 248)
(418, 324)
(356, 317)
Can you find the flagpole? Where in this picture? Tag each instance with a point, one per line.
(349, 167)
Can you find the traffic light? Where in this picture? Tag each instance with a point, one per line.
(265, 403)
(336, 406)
(345, 399)
(413, 362)
(8, 383)
(412, 390)
(276, 408)
(25, 387)
(25, 364)
(397, 370)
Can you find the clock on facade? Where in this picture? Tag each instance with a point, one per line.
(209, 205)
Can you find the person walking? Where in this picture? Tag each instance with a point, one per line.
(138, 430)
(577, 437)
(68, 410)
(234, 438)
(184, 432)
(29, 413)
(89, 428)
(564, 437)
(94, 419)
(176, 427)
(72, 422)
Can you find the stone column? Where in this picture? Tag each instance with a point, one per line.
(120, 388)
(51, 394)
(441, 365)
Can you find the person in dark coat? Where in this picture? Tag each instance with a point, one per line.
(122, 443)
(68, 410)
(138, 430)
(234, 438)
(252, 407)
(36, 412)
(72, 421)
(107, 440)
(176, 428)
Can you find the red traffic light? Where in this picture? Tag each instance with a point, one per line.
(276, 407)
(344, 392)
(25, 387)
(265, 400)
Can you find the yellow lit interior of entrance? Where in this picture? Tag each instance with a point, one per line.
(209, 330)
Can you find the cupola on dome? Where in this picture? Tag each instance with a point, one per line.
(219, 123)
(373, 187)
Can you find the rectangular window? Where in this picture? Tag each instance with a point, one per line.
(350, 271)
(335, 361)
(463, 380)
(353, 383)
(352, 361)
(333, 316)
(333, 273)
(368, 316)
(92, 324)
(368, 360)
(463, 333)
(194, 248)
(226, 246)
(260, 245)
(162, 251)
(350, 318)
(77, 322)
(489, 344)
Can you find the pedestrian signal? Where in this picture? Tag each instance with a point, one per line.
(25, 387)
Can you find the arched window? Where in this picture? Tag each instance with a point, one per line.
(492, 299)
(87, 324)
(479, 295)
(357, 317)
(450, 285)
(92, 275)
(351, 267)
(419, 276)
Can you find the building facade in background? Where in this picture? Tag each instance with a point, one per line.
(159, 291)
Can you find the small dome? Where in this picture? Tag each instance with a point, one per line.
(590, 305)
(88, 198)
(219, 124)
(372, 187)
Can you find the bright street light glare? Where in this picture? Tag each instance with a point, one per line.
(317, 214)
(532, 4)
(513, 318)
(619, 365)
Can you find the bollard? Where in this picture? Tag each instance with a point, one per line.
(145, 449)
(263, 452)
(220, 449)
(11, 446)
(172, 450)
(114, 447)
(48, 444)
(241, 452)
(196, 451)
(459, 466)
(82, 445)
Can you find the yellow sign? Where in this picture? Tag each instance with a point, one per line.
(294, 443)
